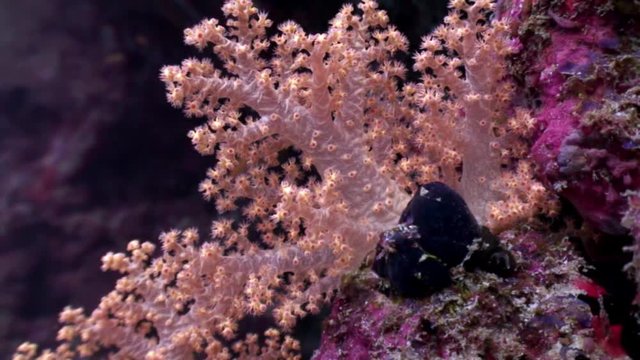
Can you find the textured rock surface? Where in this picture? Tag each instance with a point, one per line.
(536, 313)
(582, 59)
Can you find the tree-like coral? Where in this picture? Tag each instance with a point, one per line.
(467, 135)
(318, 144)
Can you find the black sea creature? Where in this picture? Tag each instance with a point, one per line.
(436, 233)
(490, 256)
(411, 271)
(444, 221)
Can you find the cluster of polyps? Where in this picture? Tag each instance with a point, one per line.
(355, 142)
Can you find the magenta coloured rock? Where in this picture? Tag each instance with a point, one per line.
(536, 313)
(583, 148)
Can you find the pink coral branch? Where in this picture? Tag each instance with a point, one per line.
(335, 98)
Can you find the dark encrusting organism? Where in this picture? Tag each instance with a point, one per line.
(436, 232)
